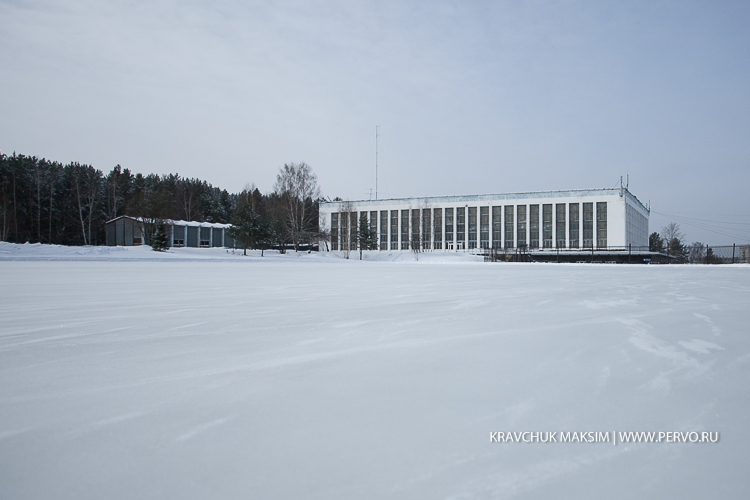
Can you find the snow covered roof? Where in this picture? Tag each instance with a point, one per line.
(171, 222)
(197, 224)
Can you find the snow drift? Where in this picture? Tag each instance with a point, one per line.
(314, 377)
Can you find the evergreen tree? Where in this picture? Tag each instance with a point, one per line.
(46, 201)
(366, 237)
(246, 227)
(265, 236)
(655, 243)
(159, 238)
(710, 257)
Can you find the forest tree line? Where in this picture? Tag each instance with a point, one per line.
(43, 201)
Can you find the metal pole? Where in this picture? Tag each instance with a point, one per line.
(733, 246)
(376, 161)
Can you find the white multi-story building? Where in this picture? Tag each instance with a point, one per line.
(610, 218)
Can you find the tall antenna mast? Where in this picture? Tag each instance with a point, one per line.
(376, 161)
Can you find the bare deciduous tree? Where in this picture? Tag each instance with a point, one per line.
(671, 231)
(87, 182)
(297, 187)
(673, 241)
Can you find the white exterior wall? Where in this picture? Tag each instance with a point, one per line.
(627, 218)
(636, 220)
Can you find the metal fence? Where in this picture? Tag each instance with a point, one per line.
(693, 254)
(722, 254)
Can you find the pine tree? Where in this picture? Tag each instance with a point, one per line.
(246, 227)
(159, 239)
(366, 237)
(655, 243)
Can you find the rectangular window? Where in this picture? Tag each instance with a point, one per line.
(415, 236)
(460, 228)
(533, 226)
(437, 219)
(426, 225)
(178, 236)
(344, 231)
(601, 224)
(217, 237)
(472, 227)
(547, 226)
(205, 233)
(374, 223)
(509, 226)
(404, 230)
(484, 227)
(353, 226)
(394, 229)
(588, 225)
(560, 225)
(521, 223)
(497, 227)
(384, 229)
(575, 216)
(449, 229)
(335, 231)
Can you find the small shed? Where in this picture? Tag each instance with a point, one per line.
(124, 231)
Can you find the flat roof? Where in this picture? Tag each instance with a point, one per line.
(500, 196)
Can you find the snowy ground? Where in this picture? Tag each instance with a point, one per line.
(38, 251)
(209, 375)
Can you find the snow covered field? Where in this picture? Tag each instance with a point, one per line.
(209, 375)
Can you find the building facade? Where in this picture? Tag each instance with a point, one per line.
(532, 222)
(130, 231)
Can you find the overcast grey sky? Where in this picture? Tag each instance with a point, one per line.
(470, 97)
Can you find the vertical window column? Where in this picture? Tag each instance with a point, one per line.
(426, 226)
(533, 226)
(509, 226)
(547, 225)
(484, 227)
(601, 224)
(437, 222)
(353, 225)
(344, 231)
(449, 243)
(335, 231)
(404, 229)
(472, 228)
(560, 225)
(374, 225)
(394, 229)
(574, 213)
(460, 228)
(384, 229)
(416, 244)
(588, 225)
(497, 227)
(521, 226)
